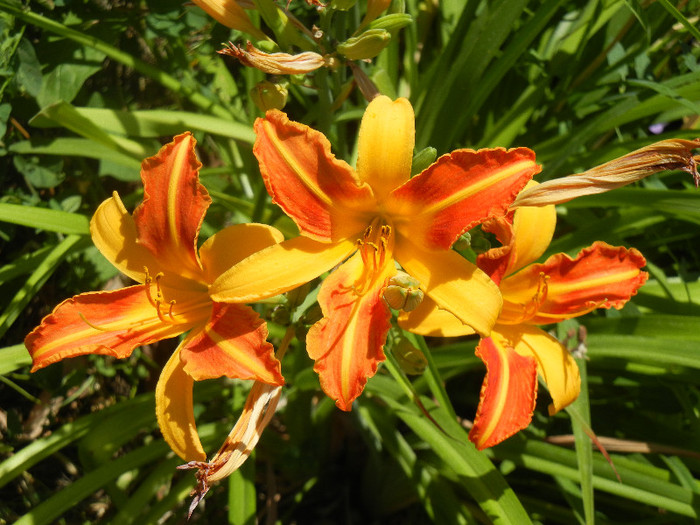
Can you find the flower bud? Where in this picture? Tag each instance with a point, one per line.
(368, 45)
(410, 359)
(403, 292)
(391, 22)
(268, 95)
(423, 159)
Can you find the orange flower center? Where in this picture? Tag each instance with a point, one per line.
(375, 250)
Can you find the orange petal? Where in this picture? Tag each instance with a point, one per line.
(455, 284)
(525, 235)
(458, 192)
(555, 365)
(385, 144)
(233, 344)
(429, 319)
(174, 203)
(601, 276)
(348, 343)
(508, 393)
(106, 323)
(174, 410)
(319, 192)
(278, 269)
(233, 244)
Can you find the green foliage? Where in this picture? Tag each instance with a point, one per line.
(89, 89)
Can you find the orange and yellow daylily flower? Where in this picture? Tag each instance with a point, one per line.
(157, 247)
(377, 215)
(601, 276)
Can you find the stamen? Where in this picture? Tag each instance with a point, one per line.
(92, 325)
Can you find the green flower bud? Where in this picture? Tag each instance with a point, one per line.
(403, 292)
(410, 359)
(391, 22)
(267, 95)
(367, 45)
(463, 242)
(423, 159)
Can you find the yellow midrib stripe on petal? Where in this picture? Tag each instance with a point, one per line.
(279, 146)
(173, 186)
(566, 287)
(502, 391)
(477, 187)
(241, 357)
(348, 351)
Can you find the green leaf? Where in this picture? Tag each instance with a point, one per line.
(37, 279)
(45, 219)
(13, 357)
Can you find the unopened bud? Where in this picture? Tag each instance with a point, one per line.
(391, 22)
(423, 159)
(368, 45)
(268, 95)
(463, 242)
(411, 360)
(231, 14)
(403, 292)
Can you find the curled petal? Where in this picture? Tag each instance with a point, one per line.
(508, 393)
(105, 323)
(230, 14)
(174, 409)
(554, 362)
(672, 154)
(455, 284)
(276, 63)
(233, 344)
(174, 203)
(385, 147)
(278, 269)
(233, 244)
(319, 192)
(601, 276)
(524, 234)
(431, 320)
(458, 192)
(348, 343)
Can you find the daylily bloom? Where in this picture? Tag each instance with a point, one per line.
(157, 247)
(378, 215)
(671, 154)
(601, 276)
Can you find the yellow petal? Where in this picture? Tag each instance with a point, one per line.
(233, 244)
(114, 234)
(387, 137)
(533, 228)
(174, 410)
(554, 362)
(429, 319)
(455, 284)
(278, 269)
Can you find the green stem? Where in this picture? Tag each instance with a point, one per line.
(112, 52)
